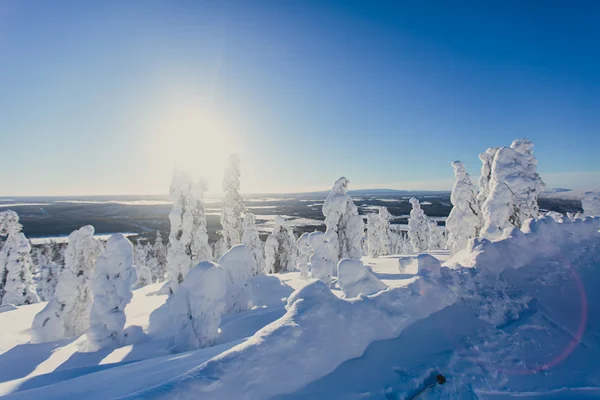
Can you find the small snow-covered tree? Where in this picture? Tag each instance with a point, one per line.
(251, 239)
(140, 253)
(304, 253)
(436, 237)
(514, 189)
(111, 285)
(378, 233)
(346, 228)
(67, 314)
(160, 257)
(591, 204)
(19, 288)
(324, 257)
(188, 239)
(487, 158)
(9, 225)
(49, 272)
(418, 227)
(280, 249)
(464, 221)
(240, 265)
(232, 204)
(197, 306)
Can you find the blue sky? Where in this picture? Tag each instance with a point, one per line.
(106, 97)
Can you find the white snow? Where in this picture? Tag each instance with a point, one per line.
(355, 278)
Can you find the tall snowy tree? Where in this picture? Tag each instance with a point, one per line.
(436, 239)
(514, 189)
(378, 233)
(140, 254)
(240, 265)
(464, 221)
(280, 249)
(160, 255)
(487, 158)
(67, 314)
(188, 239)
(346, 228)
(49, 272)
(251, 239)
(9, 225)
(232, 204)
(111, 285)
(304, 253)
(591, 204)
(418, 227)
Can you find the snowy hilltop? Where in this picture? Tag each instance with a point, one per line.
(499, 302)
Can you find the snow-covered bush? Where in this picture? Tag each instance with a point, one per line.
(240, 265)
(464, 221)
(197, 306)
(111, 285)
(378, 233)
(18, 285)
(354, 278)
(591, 204)
(324, 256)
(251, 239)
(418, 227)
(280, 249)
(232, 204)
(346, 228)
(67, 314)
(304, 253)
(436, 240)
(188, 239)
(513, 189)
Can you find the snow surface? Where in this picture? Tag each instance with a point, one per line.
(518, 316)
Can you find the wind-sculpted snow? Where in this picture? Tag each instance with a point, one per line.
(355, 279)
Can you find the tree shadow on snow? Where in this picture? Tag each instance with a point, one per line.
(24, 358)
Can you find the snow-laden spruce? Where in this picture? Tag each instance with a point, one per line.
(400, 241)
(197, 307)
(513, 189)
(464, 221)
(346, 228)
(18, 287)
(9, 225)
(159, 269)
(418, 227)
(67, 314)
(251, 239)
(378, 233)
(487, 158)
(240, 265)
(111, 285)
(591, 204)
(280, 250)
(435, 235)
(355, 278)
(188, 239)
(304, 253)
(49, 271)
(232, 204)
(324, 257)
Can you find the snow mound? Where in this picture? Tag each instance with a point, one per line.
(354, 278)
(423, 265)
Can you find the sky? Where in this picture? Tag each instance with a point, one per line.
(108, 97)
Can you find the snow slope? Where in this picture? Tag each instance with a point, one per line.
(515, 317)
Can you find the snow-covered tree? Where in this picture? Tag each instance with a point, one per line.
(304, 253)
(159, 267)
(240, 265)
(464, 221)
(251, 239)
(140, 254)
(9, 225)
(19, 288)
(591, 204)
(436, 239)
(280, 249)
(67, 314)
(49, 272)
(324, 257)
(418, 227)
(514, 189)
(143, 277)
(197, 306)
(378, 233)
(232, 204)
(487, 158)
(111, 285)
(346, 228)
(188, 239)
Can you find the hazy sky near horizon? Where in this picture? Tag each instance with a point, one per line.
(107, 97)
